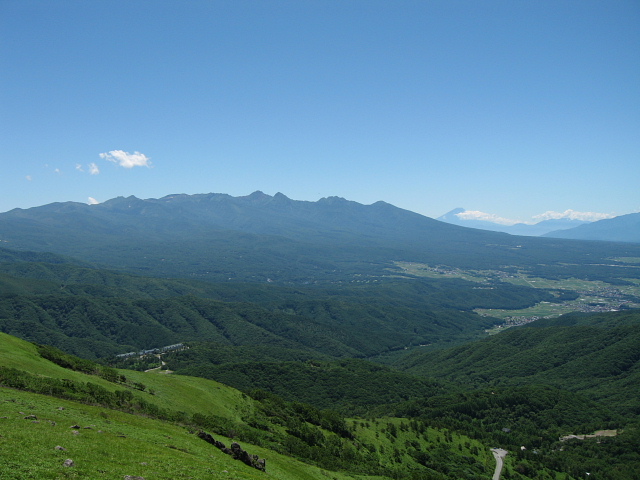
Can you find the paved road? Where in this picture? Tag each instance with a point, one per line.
(499, 454)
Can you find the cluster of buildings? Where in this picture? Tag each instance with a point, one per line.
(153, 351)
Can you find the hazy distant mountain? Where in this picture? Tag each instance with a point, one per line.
(329, 220)
(257, 236)
(625, 228)
(534, 230)
(269, 238)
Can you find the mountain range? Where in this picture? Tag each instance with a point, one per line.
(624, 228)
(272, 238)
(533, 230)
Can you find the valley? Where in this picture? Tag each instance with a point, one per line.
(332, 339)
(590, 295)
(232, 245)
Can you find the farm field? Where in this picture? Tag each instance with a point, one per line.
(593, 295)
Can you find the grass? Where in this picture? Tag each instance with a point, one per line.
(424, 270)
(204, 395)
(542, 309)
(116, 444)
(119, 444)
(399, 443)
(170, 391)
(627, 259)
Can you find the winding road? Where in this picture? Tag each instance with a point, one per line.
(499, 454)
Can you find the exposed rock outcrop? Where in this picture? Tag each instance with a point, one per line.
(236, 451)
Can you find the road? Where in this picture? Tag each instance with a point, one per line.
(499, 454)
(163, 363)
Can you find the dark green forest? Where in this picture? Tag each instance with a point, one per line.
(97, 313)
(597, 354)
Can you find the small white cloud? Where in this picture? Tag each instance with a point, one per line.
(126, 159)
(79, 167)
(573, 215)
(28, 177)
(57, 170)
(93, 201)
(93, 169)
(487, 217)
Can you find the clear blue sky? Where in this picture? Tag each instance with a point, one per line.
(509, 107)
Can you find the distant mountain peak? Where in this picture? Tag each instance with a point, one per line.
(281, 197)
(519, 228)
(451, 215)
(121, 198)
(219, 236)
(123, 201)
(332, 200)
(257, 195)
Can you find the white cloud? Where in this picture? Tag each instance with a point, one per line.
(93, 169)
(57, 170)
(93, 201)
(79, 167)
(28, 177)
(487, 217)
(126, 159)
(570, 214)
(573, 215)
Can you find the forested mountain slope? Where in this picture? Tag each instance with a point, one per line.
(597, 355)
(93, 312)
(97, 320)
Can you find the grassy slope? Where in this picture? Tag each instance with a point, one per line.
(27, 448)
(149, 448)
(170, 391)
(162, 450)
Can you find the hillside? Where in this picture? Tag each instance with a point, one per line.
(96, 313)
(425, 443)
(353, 387)
(109, 439)
(339, 327)
(594, 355)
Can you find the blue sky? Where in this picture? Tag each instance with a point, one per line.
(512, 108)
